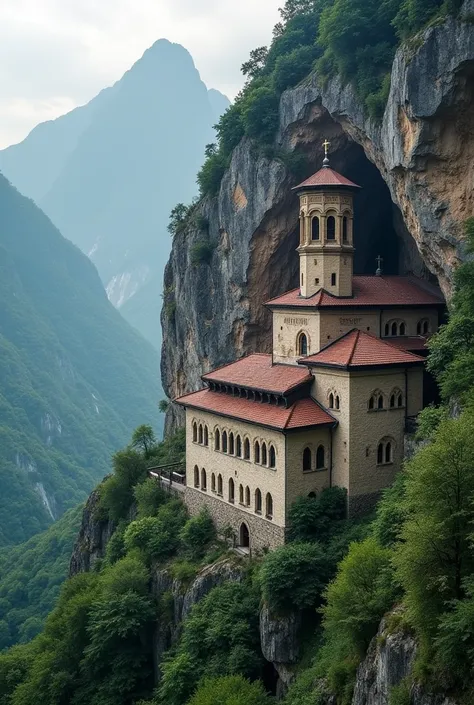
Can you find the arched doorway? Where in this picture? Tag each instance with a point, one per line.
(244, 536)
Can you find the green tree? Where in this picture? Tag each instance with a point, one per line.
(149, 496)
(254, 66)
(197, 534)
(144, 440)
(116, 492)
(229, 690)
(261, 114)
(178, 217)
(316, 518)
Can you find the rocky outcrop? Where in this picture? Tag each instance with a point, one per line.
(417, 168)
(280, 644)
(177, 598)
(94, 535)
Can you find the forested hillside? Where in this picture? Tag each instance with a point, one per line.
(109, 173)
(74, 377)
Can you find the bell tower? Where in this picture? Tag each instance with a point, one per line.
(326, 246)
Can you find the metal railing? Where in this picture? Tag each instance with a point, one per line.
(172, 476)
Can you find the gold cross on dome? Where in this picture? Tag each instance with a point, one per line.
(326, 146)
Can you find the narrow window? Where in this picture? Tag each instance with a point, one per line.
(331, 401)
(272, 457)
(400, 400)
(206, 436)
(344, 229)
(264, 453)
(247, 449)
(372, 402)
(238, 445)
(302, 279)
(224, 442)
(333, 279)
(419, 327)
(302, 345)
(258, 501)
(380, 402)
(320, 459)
(219, 484)
(203, 480)
(213, 482)
(331, 228)
(380, 454)
(425, 327)
(392, 401)
(338, 402)
(269, 506)
(307, 459)
(231, 444)
(217, 440)
(195, 432)
(394, 328)
(403, 328)
(241, 494)
(196, 476)
(247, 496)
(231, 490)
(257, 452)
(315, 228)
(388, 453)
(200, 434)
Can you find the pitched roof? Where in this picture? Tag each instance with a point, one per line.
(258, 372)
(384, 291)
(358, 349)
(416, 342)
(304, 412)
(326, 177)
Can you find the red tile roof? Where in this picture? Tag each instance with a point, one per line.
(257, 372)
(384, 291)
(409, 343)
(303, 413)
(359, 349)
(326, 177)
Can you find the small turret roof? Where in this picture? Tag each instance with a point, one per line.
(326, 177)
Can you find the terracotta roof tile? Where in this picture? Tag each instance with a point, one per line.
(305, 412)
(359, 349)
(257, 372)
(370, 291)
(326, 177)
(409, 343)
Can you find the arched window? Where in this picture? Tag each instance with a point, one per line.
(376, 401)
(219, 484)
(264, 453)
(380, 454)
(203, 480)
(345, 233)
(206, 436)
(400, 400)
(380, 402)
(396, 399)
(272, 454)
(392, 401)
(247, 496)
(231, 491)
(372, 402)
(394, 328)
(330, 228)
(331, 401)
(423, 327)
(231, 444)
(247, 449)
(200, 437)
(320, 458)
(269, 506)
(238, 447)
(388, 452)
(258, 501)
(241, 494)
(257, 452)
(213, 482)
(337, 402)
(403, 328)
(302, 344)
(217, 440)
(224, 442)
(196, 476)
(195, 432)
(307, 460)
(315, 228)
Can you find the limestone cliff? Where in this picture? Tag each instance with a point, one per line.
(416, 166)
(94, 535)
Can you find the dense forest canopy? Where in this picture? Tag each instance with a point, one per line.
(355, 39)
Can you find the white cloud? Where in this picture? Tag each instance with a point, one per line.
(56, 54)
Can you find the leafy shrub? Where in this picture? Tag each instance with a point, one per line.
(149, 496)
(229, 690)
(400, 694)
(455, 641)
(157, 536)
(116, 491)
(294, 576)
(291, 68)
(391, 513)
(201, 253)
(198, 533)
(183, 570)
(116, 548)
(261, 114)
(313, 518)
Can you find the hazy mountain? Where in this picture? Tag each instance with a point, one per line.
(109, 173)
(75, 378)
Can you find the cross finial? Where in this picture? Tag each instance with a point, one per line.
(379, 261)
(326, 146)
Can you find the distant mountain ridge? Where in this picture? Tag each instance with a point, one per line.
(109, 173)
(75, 378)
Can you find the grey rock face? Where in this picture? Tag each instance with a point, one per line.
(279, 641)
(423, 149)
(93, 538)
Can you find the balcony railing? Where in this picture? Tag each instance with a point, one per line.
(171, 476)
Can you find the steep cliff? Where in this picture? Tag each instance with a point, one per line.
(416, 169)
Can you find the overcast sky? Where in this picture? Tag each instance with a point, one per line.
(57, 54)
